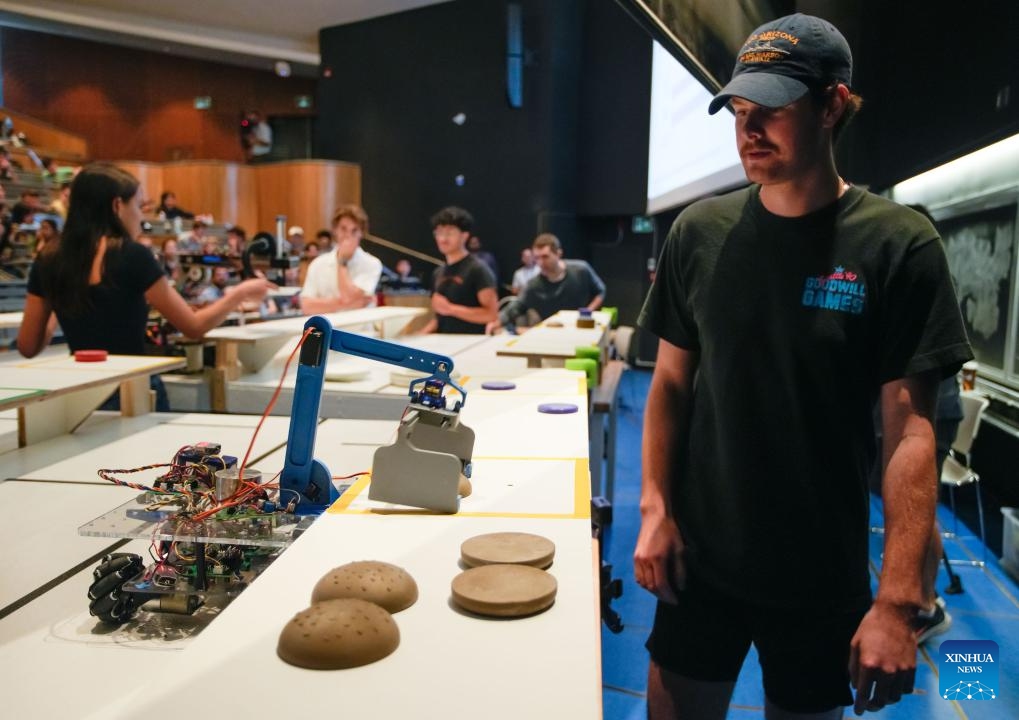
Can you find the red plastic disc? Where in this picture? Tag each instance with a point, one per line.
(90, 355)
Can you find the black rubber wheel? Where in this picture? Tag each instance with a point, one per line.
(107, 599)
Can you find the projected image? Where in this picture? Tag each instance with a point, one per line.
(690, 153)
(979, 247)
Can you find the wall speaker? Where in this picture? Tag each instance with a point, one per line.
(514, 55)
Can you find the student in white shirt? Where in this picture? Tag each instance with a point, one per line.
(345, 278)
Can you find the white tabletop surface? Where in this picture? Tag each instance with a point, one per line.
(10, 319)
(294, 325)
(62, 373)
(449, 664)
(55, 637)
(530, 476)
(40, 532)
(135, 442)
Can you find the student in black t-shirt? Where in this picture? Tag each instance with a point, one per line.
(463, 290)
(99, 282)
(783, 311)
(559, 285)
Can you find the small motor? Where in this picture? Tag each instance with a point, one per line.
(431, 395)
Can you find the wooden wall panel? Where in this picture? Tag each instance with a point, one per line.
(130, 103)
(306, 191)
(224, 189)
(46, 139)
(150, 175)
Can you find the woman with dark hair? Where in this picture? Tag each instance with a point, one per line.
(99, 282)
(46, 234)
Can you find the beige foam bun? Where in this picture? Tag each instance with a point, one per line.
(337, 634)
(464, 487)
(385, 585)
(514, 548)
(504, 590)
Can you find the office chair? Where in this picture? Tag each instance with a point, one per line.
(958, 470)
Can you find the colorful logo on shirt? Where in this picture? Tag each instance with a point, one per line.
(455, 279)
(968, 669)
(840, 291)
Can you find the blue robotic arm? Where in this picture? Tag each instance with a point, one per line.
(308, 477)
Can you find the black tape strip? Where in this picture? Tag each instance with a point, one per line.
(42, 589)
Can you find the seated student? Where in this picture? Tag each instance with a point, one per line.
(346, 278)
(107, 306)
(405, 278)
(527, 270)
(216, 288)
(171, 265)
(559, 285)
(169, 209)
(47, 233)
(324, 238)
(463, 290)
(236, 239)
(59, 206)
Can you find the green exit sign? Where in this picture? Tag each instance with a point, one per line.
(203, 102)
(642, 224)
(303, 102)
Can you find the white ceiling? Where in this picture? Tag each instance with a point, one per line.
(260, 29)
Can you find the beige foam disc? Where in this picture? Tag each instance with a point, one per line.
(504, 590)
(346, 374)
(386, 585)
(463, 486)
(337, 634)
(512, 548)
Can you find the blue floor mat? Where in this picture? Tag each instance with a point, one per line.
(988, 609)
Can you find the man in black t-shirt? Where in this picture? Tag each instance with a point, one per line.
(463, 290)
(784, 311)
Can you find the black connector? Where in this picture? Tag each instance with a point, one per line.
(601, 511)
(311, 350)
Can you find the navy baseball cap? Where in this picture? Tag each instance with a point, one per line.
(783, 59)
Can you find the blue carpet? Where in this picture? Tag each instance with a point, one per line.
(988, 609)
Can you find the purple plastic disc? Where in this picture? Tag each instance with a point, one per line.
(557, 408)
(498, 385)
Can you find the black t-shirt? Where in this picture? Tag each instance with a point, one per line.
(460, 283)
(579, 286)
(116, 319)
(797, 323)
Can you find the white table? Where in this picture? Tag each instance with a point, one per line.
(10, 320)
(54, 395)
(556, 339)
(449, 664)
(455, 664)
(253, 347)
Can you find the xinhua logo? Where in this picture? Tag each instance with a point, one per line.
(968, 669)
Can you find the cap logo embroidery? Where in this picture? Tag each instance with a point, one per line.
(758, 48)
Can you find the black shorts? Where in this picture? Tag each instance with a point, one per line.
(804, 654)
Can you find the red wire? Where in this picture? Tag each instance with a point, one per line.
(245, 487)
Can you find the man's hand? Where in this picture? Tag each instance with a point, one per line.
(441, 304)
(658, 558)
(882, 659)
(493, 328)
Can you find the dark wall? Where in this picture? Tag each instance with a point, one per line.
(571, 161)
(930, 79)
(396, 83)
(138, 105)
